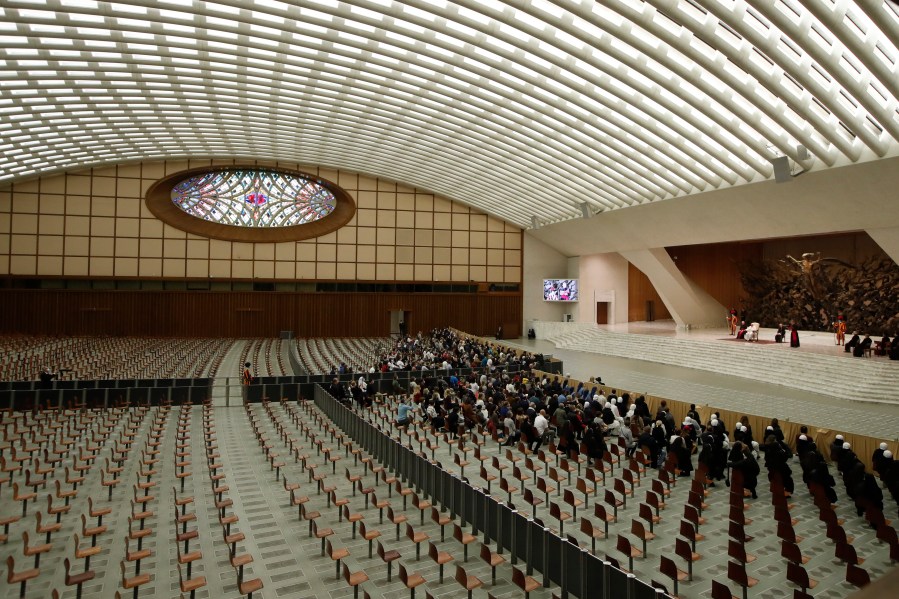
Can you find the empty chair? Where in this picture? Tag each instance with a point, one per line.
(190, 585)
(493, 559)
(133, 582)
(411, 580)
(79, 579)
(418, 538)
(639, 531)
(736, 572)
(469, 583)
(798, 576)
(524, 582)
(440, 558)
(846, 553)
(857, 577)
(354, 579)
(21, 577)
(720, 591)
(624, 546)
(737, 551)
(463, 537)
(336, 555)
(669, 569)
(588, 529)
(388, 557)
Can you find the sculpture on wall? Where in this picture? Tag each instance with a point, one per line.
(813, 291)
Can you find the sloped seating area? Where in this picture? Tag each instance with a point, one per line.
(681, 533)
(268, 356)
(320, 356)
(110, 357)
(867, 379)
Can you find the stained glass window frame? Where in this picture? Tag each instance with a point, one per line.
(329, 198)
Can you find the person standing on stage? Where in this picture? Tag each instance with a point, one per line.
(733, 321)
(247, 377)
(794, 335)
(839, 329)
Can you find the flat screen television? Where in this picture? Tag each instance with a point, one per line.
(560, 290)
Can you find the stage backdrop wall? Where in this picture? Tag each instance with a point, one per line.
(250, 314)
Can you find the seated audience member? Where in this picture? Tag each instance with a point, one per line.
(859, 350)
(852, 342)
(781, 333)
(882, 347)
(741, 334)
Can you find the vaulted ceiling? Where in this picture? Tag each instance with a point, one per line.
(521, 109)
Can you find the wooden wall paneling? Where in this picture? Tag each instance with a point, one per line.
(248, 314)
(639, 290)
(716, 267)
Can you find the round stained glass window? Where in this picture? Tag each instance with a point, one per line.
(254, 198)
(247, 203)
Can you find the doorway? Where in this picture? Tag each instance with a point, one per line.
(399, 322)
(602, 312)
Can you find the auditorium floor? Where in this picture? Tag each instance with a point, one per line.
(727, 392)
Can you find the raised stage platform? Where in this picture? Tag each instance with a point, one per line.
(817, 383)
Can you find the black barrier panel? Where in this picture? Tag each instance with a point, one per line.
(6, 399)
(573, 563)
(290, 391)
(137, 395)
(617, 583)
(253, 393)
(179, 394)
(198, 394)
(504, 523)
(146, 383)
(22, 385)
(479, 503)
(272, 391)
(97, 397)
(520, 530)
(537, 547)
(125, 383)
(594, 578)
(645, 591)
(49, 397)
(71, 384)
(553, 546)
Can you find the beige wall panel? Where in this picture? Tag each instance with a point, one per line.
(442, 256)
(24, 223)
(241, 251)
(242, 269)
(102, 246)
(129, 170)
(365, 253)
(460, 238)
(329, 238)
(494, 273)
(263, 270)
(405, 201)
(423, 272)
(495, 258)
(326, 252)
(495, 240)
(329, 173)
(346, 235)
(424, 202)
(170, 232)
(460, 222)
(49, 265)
(460, 256)
(78, 185)
(478, 239)
(77, 246)
(22, 265)
(53, 184)
(386, 218)
(477, 273)
(459, 273)
(104, 171)
(385, 272)
(366, 217)
(442, 205)
(33, 186)
(365, 272)
(305, 270)
(199, 248)
(264, 251)
(367, 183)
(405, 219)
(306, 251)
(220, 269)
(404, 272)
(405, 255)
(424, 237)
(219, 250)
(442, 221)
(424, 220)
(386, 185)
(286, 251)
(424, 255)
(23, 244)
(50, 245)
(53, 203)
(174, 248)
(103, 186)
(386, 254)
(103, 226)
(25, 203)
(78, 205)
(512, 274)
(152, 170)
(477, 256)
(494, 224)
(5, 201)
(512, 257)
(386, 236)
(512, 240)
(150, 248)
(326, 270)
(150, 227)
(346, 253)
(102, 267)
(126, 267)
(461, 208)
(366, 200)
(478, 222)
(75, 266)
(285, 270)
(441, 272)
(367, 235)
(405, 237)
(128, 227)
(174, 166)
(51, 224)
(346, 270)
(128, 207)
(103, 206)
(349, 181)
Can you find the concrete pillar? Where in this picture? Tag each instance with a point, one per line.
(888, 240)
(688, 303)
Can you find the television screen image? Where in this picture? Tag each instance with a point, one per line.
(560, 290)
